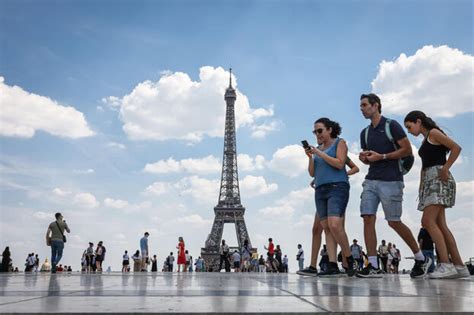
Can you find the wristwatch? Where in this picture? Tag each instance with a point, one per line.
(384, 156)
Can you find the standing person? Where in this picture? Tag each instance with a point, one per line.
(170, 262)
(6, 260)
(56, 239)
(188, 260)
(144, 251)
(437, 191)
(137, 261)
(285, 263)
(224, 256)
(99, 256)
(383, 255)
(388, 152)
(300, 257)
(427, 246)
(278, 258)
(396, 258)
(181, 255)
(356, 251)
(125, 262)
(261, 264)
(89, 255)
(323, 264)
(326, 164)
(390, 258)
(36, 263)
(236, 260)
(154, 264)
(198, 264)
(246, 255)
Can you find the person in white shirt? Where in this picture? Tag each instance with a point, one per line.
(300, 257)
(236, 259)
(125, 262)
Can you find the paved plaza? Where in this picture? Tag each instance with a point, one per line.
(229, 293)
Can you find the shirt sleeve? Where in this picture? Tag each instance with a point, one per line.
(397, 130)
(363, 145)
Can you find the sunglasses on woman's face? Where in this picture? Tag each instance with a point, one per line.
(318, 131)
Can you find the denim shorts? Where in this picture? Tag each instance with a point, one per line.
(390, 194)
(331, 200)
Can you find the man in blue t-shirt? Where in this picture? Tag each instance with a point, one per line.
(384, 183)
(144, 250)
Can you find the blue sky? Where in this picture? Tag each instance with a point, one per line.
(293, 61)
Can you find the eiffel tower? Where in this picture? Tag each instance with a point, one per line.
(229, 208)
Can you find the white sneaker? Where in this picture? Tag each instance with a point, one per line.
(444, 271)
(463, 272)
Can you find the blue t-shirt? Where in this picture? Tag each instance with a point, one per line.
(325, 173)
(143, 243)
(377, 140)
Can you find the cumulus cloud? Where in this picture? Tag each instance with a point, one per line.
(256, 185)
(115, 203)
(431, 80)
(247, 163)
(40, 215)
(61, 192)
(202, 190)
(24, 113)
(84, 172)
(172, 108)
(85, 200)
(158, 188)
(286, 206)
(194, 220)
(207, 165)
(290, 161)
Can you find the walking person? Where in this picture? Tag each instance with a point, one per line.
(224, 257)
(326, 164)
(388, 153)
(300, 257)
(383, 255)
(181, 255)
(55, 238)
(396, 258)
(261, 264)
(125, 262)
(144, 251)
(246, 255)
(170, 262)
(6, 260)
(437, 191)
(89, 256)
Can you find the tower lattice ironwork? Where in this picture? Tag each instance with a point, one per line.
(229, 208)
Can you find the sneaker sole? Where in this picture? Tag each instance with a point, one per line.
(307, 274)
(341, 275)
(375, 276)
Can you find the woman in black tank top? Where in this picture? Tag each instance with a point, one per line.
(437, 191)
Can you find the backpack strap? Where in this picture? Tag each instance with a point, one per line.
(366, 136)
(390, 138)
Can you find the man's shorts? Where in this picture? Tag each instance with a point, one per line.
(236, 264)
(390, 194)
(331, 200)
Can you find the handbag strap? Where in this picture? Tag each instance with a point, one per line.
(59, 228)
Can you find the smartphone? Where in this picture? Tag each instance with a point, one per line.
(305, 145)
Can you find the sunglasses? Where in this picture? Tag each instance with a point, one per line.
(318, 131)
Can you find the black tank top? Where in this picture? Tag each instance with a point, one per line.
(432, 154)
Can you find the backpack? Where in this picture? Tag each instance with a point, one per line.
(404, 164)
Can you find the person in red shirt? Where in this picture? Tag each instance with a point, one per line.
(271, 248)
(181, 255)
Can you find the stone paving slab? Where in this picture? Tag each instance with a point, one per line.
(229, 293)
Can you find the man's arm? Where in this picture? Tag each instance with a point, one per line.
(67, 228)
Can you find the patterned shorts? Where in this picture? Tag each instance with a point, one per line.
(434, 191)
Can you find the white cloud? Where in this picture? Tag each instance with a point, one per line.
(84, 172)
(256, 185)
(60, 192)
(248, 163)
(194, 220)
(40, 215)
(24, 113)
(262, 130)
(287, 205)
(173, 107)
(200, 189)
(115, 203)
(206, 165)
(465, 189)
(430, 81)
(116, 145)
(85, 200)
(158, 188)
(290, 161)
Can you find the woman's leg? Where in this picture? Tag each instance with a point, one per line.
(316, 242)
(331, 244)
(336, 226)
(449, 239)
(430, 222)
